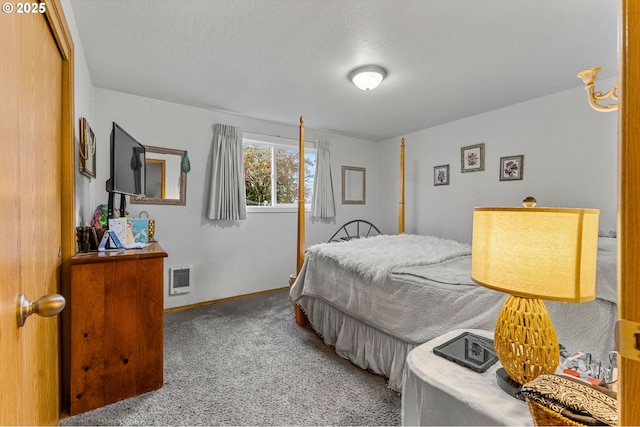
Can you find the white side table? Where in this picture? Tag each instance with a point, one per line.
(436, 391)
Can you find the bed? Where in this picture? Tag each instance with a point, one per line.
(375, 299)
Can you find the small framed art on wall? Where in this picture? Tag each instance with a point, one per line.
(472, 158)
(87, 149)
(511, 168)
(441, 175)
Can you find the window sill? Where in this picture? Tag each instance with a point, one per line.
(274, 209)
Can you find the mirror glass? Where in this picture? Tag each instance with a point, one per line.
(166, 183)
(354, 185)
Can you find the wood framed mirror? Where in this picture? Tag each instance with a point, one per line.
(166, 182)
(354, 185)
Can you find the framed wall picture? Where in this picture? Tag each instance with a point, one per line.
(354, 185)
(441, 175)
(472, 158)
(87, 149)
(511, 168)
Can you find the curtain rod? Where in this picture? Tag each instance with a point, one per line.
(278, 136)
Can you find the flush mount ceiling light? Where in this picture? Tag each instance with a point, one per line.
(368, 77)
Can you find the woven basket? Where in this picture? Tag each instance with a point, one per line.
(543, 416)
(558, 400)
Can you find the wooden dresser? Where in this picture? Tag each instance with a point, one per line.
(116, 336)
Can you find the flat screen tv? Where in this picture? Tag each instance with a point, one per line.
(127, 167)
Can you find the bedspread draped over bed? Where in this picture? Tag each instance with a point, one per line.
(375, 299)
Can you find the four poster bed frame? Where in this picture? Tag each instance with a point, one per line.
(374, 299)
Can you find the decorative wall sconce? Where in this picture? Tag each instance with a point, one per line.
(588, 77)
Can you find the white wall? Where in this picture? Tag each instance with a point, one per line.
(83, 98)
(570, 161)
(228, 259)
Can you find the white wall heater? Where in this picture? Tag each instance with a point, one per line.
(180, 279)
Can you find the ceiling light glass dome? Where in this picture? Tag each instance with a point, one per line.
(368, 77)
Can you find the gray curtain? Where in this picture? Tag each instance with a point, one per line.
(322, 203)
(227, 198)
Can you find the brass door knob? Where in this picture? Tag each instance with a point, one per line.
(46, 306)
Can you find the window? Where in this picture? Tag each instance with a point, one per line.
(271, 174)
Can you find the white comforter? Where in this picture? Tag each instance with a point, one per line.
(375, 257)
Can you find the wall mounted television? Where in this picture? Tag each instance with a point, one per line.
(127, 168)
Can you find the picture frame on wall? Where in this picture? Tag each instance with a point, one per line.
(354, 185)
(441, 175)
(87, 149)
(511, 168)
(472, 158)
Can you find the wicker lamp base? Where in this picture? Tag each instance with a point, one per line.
(525, 340)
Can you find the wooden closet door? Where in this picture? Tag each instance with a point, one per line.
(32, 135)
(629, 203)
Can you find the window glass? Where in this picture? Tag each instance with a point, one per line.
(257, 174)
(271, 174)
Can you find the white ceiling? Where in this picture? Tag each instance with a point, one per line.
(279, 59)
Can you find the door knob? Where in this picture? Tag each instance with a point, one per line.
(46, 306)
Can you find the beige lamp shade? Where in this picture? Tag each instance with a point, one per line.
(546, 253)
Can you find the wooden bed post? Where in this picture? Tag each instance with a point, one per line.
(401, 207)
(301, 236)
(300, 316)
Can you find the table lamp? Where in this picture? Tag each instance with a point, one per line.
(533, 254)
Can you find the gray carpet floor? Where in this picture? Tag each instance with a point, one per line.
(246, 362)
